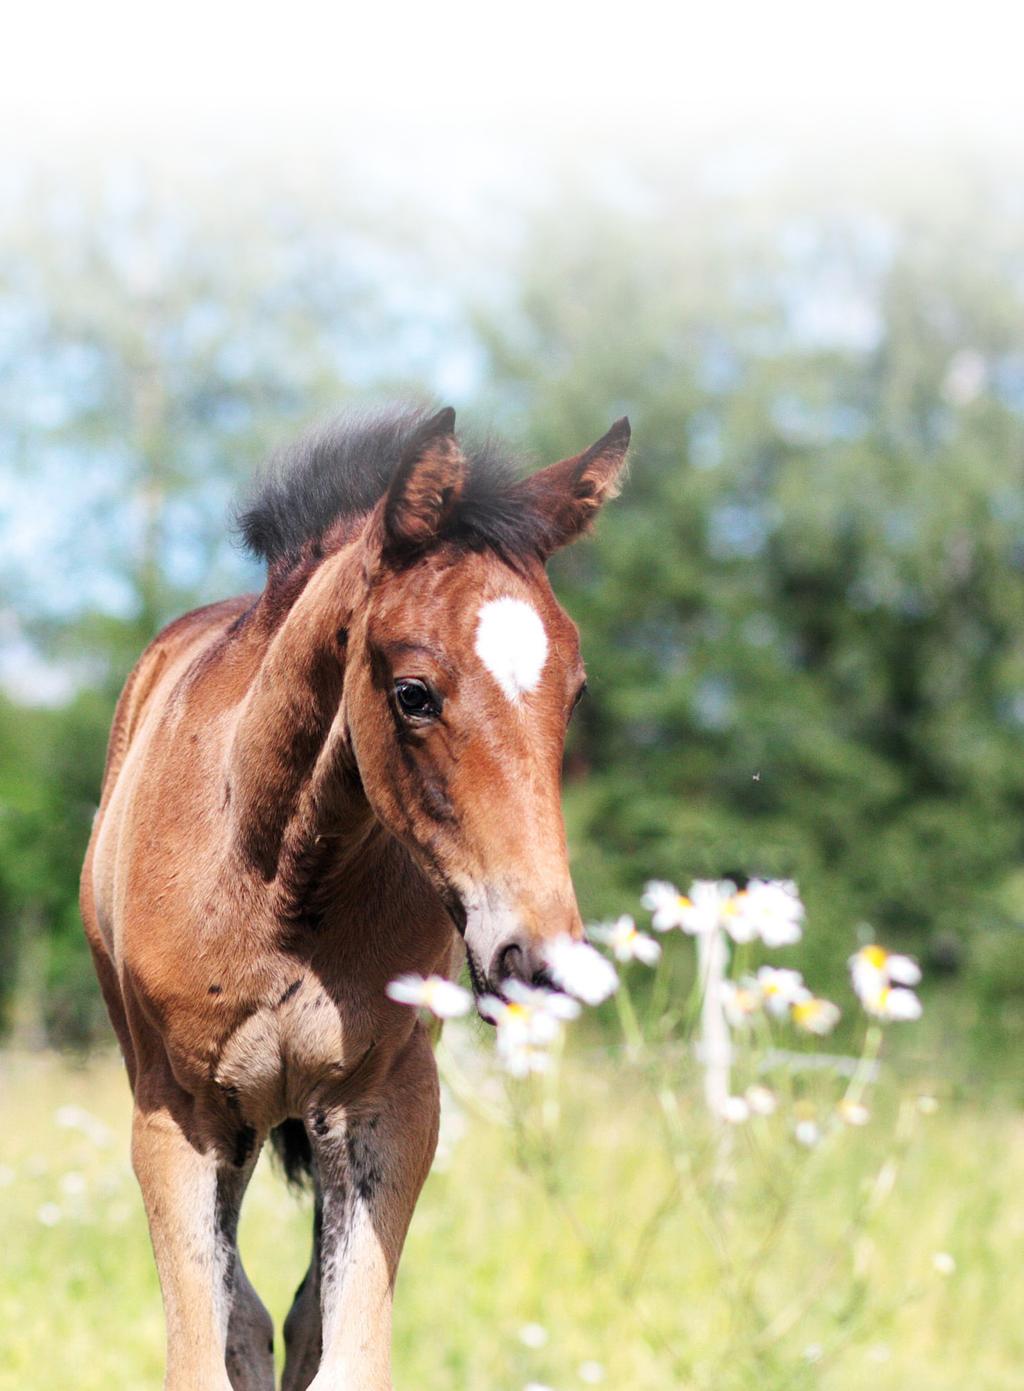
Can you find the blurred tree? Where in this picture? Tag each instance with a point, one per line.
(805, 615)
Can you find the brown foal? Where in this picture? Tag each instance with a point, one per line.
(306, 792)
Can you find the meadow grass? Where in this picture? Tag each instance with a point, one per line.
(670, 1262)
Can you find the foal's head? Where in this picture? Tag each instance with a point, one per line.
(462, 674)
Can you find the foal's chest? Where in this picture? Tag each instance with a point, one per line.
(272, 1056)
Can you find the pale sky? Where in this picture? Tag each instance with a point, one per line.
(260, 72)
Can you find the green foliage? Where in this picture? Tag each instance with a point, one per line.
(51, 763)
(804, 616)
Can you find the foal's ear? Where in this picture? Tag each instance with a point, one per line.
(569, 494)
(425, 488)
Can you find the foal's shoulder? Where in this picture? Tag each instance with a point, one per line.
(180, 642)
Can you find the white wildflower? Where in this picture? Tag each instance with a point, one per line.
(807, 1133)
(780, 989)
(441, 997)
(927, 1105)
(529, 1023)
(625, 941)
(853, 1112)
(814, 1015)
(665, 904)
(896, 1004)
(533, 1335)
(880, 980)
(700, 912)
(735, 1110)
(719, 905)
(886, 1002)
(943, 1263)
(49, 1214)
(580, 970)
(741, 1001)
(761, 1100)
(772, 910)
(591, 1372)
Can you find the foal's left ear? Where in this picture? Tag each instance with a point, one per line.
(425, 488)
(570, 494)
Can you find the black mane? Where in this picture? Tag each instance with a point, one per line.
(342, 469)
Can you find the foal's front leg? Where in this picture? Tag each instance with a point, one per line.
(371, 1160)
(192, 1195)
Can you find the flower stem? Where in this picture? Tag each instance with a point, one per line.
(628, 1020)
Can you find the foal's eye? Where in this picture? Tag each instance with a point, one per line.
(578, 697)
(416, 699)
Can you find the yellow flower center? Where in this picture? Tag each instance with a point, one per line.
(874, 956)
(685, 902)
(806, 1010)
(516, 1010)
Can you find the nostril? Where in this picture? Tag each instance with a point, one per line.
(512, 963)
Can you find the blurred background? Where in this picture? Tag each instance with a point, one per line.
(788, 242)
(803, 281)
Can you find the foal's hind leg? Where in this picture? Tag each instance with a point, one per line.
(303, 1328)
(249, 1355)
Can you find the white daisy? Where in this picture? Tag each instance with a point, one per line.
(665, 904)
(528, 1023)
(853, 1112)
(774, 910)
(735, 1110)
(779, 989)
(741, 1001)
(580, 970)
(873, 969)
(814, 1015)
(441, 997)
(807, 1133)
(626, 943)
(761, 1100)
(892, 1002)
(732, 916)
(533, 1335)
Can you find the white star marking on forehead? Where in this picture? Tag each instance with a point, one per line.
(512, 644)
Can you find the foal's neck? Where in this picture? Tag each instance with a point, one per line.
(300, 817)
(289, 764)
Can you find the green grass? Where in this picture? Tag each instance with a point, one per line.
(670, 1267)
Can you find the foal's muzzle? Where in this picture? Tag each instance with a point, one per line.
(503, 944)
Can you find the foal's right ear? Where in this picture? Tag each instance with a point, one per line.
(570, 494)
(425, 488)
